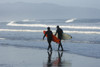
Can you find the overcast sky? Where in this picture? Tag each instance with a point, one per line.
(79, 3)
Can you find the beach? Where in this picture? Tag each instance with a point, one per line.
(12, 56)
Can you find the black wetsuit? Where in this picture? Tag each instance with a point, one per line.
(60, 33)
(49, 38)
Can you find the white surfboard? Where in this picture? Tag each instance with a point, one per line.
(65, 36)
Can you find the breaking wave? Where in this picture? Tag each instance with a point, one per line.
(70, 20)
(12, 23)
(28, 20)
(27, 30)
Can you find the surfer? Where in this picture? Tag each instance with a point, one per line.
(49, 37)
(60, 33)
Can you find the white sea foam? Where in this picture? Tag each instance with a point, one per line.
(27, 30)
(2, 38)
(27, 20)
(20, 30)
(30, 20)
(12, 23)
(70, 20)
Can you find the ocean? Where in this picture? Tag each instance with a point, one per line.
(29, 33)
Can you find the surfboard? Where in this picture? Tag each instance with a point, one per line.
(54, 38)
(65, 36)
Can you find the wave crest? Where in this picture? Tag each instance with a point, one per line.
(70, 20)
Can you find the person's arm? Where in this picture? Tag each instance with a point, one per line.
(56, 33)
(44, 35)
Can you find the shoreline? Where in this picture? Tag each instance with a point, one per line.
(12, 56)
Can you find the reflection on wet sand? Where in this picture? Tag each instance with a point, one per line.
(56, 62)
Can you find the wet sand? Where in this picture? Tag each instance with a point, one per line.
(11, 56)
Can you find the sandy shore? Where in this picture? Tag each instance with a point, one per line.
(11, 56)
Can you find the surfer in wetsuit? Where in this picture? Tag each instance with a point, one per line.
(60, 33)
(49, 37)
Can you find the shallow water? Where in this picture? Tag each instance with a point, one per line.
(12, 56)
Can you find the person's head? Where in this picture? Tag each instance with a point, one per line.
(57, 26)
(48, 28)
